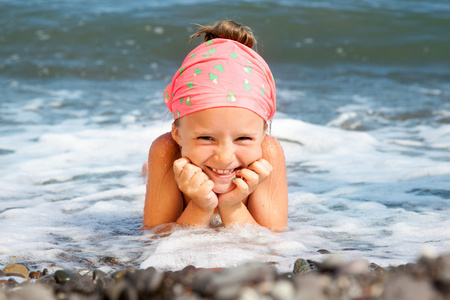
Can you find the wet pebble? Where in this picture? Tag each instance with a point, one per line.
(35, 275)
(301, 266)
(121, 273)
(332, 278)
(109, 260)
(227, 283)
(376, 268)
(63, 276)
(323, 251)
(16, 270)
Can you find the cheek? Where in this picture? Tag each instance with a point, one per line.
(194, 154)
(249, 155)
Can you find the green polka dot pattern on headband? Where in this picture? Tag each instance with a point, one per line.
(187, 101)
(219, 73)
(231, 97)
(247, 85)
(210, 51)
(219, 68)
(166, 96)
(213, 77)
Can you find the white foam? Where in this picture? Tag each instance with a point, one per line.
(72, 193)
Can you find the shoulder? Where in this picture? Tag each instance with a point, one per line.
(164, 146)
(271, 148)
(271, 140)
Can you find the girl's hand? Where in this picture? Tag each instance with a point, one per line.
(195, 184)
(249, 178)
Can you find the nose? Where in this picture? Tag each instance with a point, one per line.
(225, 153)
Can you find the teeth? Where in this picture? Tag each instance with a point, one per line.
(222, 172)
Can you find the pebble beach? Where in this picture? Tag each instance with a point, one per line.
(333, 278)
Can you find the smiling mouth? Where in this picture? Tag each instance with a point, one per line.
(224, 172)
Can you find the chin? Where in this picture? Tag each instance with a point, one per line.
(223, 189)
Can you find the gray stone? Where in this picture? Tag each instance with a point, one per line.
(301, 266)
(63, 276)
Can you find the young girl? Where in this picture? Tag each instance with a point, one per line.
(218, 159)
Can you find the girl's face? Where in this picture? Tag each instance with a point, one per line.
(220, 141)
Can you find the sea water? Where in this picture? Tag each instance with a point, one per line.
(363, 117)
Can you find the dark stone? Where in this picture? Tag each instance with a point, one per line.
(121, 273)
(146, 282)
(102, 280)
(47, 279)
(14, 274)
(109, 260)
(121, 290)
(376, 268)
(11, 282)
(323, 251)
(301, 266)
(63, 276)
(210, 283)
(313, 264)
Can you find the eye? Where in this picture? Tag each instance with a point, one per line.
(205, 138)
(244, 138)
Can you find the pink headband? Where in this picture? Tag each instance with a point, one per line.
(222, 73)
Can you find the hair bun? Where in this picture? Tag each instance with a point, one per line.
(227, 30)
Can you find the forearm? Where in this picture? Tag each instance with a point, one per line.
(195, 216)
(236, 214)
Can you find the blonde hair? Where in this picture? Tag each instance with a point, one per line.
(227, 30)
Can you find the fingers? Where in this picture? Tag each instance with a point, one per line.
(191, 180)
(257, 171)
(249, 178)
(178, 165)
(184, 171)
(262, 167)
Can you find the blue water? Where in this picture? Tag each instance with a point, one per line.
(363, 116)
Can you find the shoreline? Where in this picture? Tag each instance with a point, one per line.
(332, 278)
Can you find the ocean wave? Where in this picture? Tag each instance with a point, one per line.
(73, 39)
